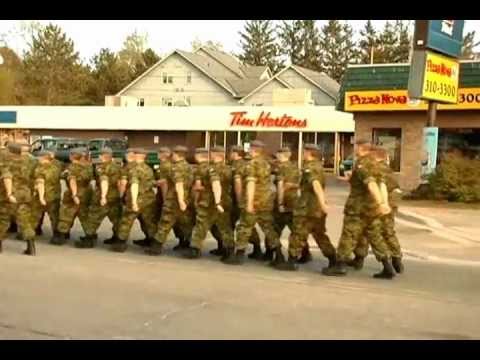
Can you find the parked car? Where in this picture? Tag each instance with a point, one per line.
(60, 146)
(118, 146)
(346, 165)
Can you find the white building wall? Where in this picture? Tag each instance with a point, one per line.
(297, 81)
(264, 96)
(202, 90)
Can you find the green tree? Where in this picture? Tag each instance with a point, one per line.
(149, 58)
(209, 44)
(337, 48)
(259, 45)
(403, 30)
(289, 34)
(53, 73)
(468, 46)
(132, 51)
(368, 44)
(310, 40)
(10, 77)
(387, 45)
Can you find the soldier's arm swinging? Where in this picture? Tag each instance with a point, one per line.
(122, 187)
(374, 190)
(318, 189)
(237, 187)
(41, 191)
(103, 191)
(384, 192)
(180, 195)
(163, 188)
(217, 194)
(134, 193)
(72, 183)
(280, 192)
(7, 181)
(250, 195)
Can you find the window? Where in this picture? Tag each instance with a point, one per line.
(390, 140)
(248, 136)
(165, 78)
(462, 141)
(170, 79)
(189, 77)
(141, 102)
(217, 138)
(326, 143)
(168, 101)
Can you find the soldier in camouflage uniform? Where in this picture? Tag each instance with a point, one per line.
(177, 207)
(238, 161)
(363, 210)
(16, 194)
(47, 192)
(106, 201)
(310, 211)
(139, 201)
(77, 197)
(213, 205)
(258, 202)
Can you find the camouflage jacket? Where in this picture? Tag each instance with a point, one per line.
(111, 172)
(126, 169)
(83, 174)
(21, 169)
(141, 174)
(50, 174)
(180, 171)
(290, 175)
(259, 171)
(226, 179)
(206, 174)
(386, 174)
(307, 203)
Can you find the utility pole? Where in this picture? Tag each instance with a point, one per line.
(432, 113)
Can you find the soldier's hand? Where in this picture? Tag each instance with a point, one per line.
(250, 209)
(220, 208)
(384, 209)
(103, 201)
(281, 208)
(135, 207)
(76, 200)
(43, 202)
(12, 199)
(182, 205)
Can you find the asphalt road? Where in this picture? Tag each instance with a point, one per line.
(69, 293)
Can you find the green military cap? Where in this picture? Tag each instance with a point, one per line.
(106, 150)
(43, 153)
(180, 149)
(284, 149)
(257, 144)
(201, 150)
(313, 147)
(236, 148)
(164, 149)
(218, 149)
(141, 151)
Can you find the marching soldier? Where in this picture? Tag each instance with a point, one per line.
(177, 207)
(363, 210)
(310, 211)
(139, 202)
(106, 201)
(213, 205)
(47, 192)
(76, 199)
(257, 207)
(17, 183)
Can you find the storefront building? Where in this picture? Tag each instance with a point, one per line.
(152, 127)
(377, 97)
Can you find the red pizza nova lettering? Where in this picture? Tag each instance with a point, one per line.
(441, 68)
(266, 120)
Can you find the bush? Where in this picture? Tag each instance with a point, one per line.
(456, 178)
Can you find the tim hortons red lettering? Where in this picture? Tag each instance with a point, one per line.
(441, 68)
(265, 120)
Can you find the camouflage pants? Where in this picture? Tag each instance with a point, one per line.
(281, 220)
(172, 216)
(247, 226)
(177, 230)
(302, 227)
(23, 217)
(389, 235)
(97, 212)
(147, 215)
(38, 211)
(69, 211)
(235, 215)
(354, 229)
(206, 218)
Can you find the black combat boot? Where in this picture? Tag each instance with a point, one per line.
(332, 260)
(306, 256)
(340, 269)
(256, 254)
(19, 237)
(120, 246)
(30, 248)
(398, 265)
(227, 252)
(67, 236)
(219, 251)
(59, 238)
(112, 240)
(39, 231)
(268, 256)
(155, 249)
(86, 242)
(290, 265)
(387, 272)
(192, 253)
(278, 257)
(237, 258)
(183, 243)
(13, 228)
(143, 243)
(356, 263)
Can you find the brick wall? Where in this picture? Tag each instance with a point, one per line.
(412, 124)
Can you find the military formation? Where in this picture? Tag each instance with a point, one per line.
(230, 198)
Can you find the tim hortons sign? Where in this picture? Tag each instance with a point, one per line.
(266, 120)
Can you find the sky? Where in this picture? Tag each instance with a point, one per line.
(90, 36)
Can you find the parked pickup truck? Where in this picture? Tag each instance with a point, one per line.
(60, 146)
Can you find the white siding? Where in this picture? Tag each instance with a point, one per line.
(298, 82)
(227, 72)
(202, 90)
(264, 96)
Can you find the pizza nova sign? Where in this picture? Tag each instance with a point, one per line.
(398, 100)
